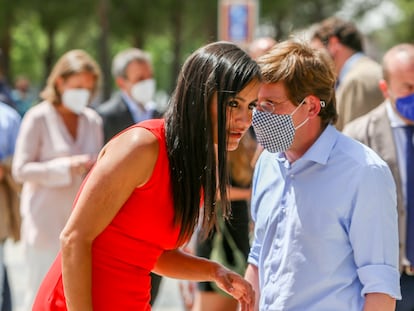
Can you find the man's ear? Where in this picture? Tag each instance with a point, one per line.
(333, 44)
(383, 86)
(120, 82)
(314, 106)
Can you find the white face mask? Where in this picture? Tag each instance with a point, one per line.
(76, 99)
(143, 91)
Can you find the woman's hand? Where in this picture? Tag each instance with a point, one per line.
(236, 286)
(178, 264)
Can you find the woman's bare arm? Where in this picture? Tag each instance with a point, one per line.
(108, 186)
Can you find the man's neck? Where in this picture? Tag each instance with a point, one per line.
(303, 142)
(341, 58)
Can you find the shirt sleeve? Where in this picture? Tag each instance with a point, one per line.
(254, 206)
(98, 133)
(14, 130)
(373, 231)
(10, 121)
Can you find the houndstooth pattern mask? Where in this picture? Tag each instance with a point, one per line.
(275, 132)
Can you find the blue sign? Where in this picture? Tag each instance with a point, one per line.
(238, 22)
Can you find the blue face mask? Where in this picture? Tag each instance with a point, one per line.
(405, 106)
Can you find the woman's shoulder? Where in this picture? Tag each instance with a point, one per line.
(134, 150)
(133, 140)
(38, 111)
(40, 107)
(91, 115)
(155, 126)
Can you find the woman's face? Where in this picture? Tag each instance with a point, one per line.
(82, 80)
(239, 114)
(76, 91)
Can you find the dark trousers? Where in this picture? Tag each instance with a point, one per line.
(7, 302)
(407, 292)
(155, 286)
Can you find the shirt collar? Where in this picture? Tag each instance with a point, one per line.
(138, 112)
(395, 119)
(348, 64)
(132, 106)
(321, 149)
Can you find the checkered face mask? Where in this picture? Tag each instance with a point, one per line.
(275, 132)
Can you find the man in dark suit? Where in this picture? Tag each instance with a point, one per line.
(133, 103)
(384, 130)
(133, 74)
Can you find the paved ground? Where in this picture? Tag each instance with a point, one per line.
(168, 299)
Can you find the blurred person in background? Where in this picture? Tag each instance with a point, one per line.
(9, 195)
(5, 89)
(357, 75)
(260, 46)
(134, 101)
(23, 95)
(233, 242)
(58, 142)
(388, 130)
(5, 97)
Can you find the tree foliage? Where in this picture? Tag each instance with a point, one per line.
(34, 33)
(287, 16)
(404, 29)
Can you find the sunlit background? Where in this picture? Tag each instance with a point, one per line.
(34, 33)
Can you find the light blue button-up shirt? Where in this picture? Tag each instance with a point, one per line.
(325, 227)
(9, 128)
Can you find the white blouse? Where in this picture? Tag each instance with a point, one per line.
(44, 148)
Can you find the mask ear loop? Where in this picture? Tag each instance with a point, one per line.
(296, 109)
(306, 120)
(321, 102)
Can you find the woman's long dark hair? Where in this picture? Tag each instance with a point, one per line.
(219, 69)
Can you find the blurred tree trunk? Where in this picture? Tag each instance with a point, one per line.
(287, 16)
(138, 41)
(50, 52)
(104, 57)
(5, 46)
(177, 33)
(6, 16)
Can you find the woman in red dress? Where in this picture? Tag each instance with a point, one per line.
(141, 201)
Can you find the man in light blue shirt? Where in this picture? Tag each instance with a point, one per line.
(323, 204)
(9, 127)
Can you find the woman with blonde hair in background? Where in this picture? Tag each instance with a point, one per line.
(57, 144)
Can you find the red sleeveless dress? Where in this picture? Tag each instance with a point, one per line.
(126, 251)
